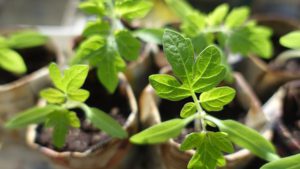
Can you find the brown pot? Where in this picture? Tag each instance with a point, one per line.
(173, 158)
(20, 94)
(109, 154)
(267, 77)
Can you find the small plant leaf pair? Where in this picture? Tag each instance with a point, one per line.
(10, 60)
(62, 100)
(108, 43)
(200, 74)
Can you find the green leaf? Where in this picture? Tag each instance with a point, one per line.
(107, 68)
(239, 41)
(193, 24)
(80, 95)
(128, 46)
(168, 87)
(209, 150)
(261, 41)
(73, 120)
(291, 40)
(201, 41)
(96, 28)
(106, 123)
(208, 71)
(159, 133)
(74, 77)
(217, 16)
(56, 76)
(215, 99)
(188, 110)
(30, 116)
(150, 35)
(192, 141)
(52, 95)
(60, 122)
(237, 17)
(247, 138)
(88, 49)
(180, 54)
(291, 162)
(26, 39)
(132, 9)
(93, 7)
(12, 61)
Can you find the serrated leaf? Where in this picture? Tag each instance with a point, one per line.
(290, 162)
(79, 95)
(52, 95)
(239, 41)
(188, 110)
(96, 28)
(56, 76)
(222, 142)
(180, 54)
(107, 68)
(247, 138)
(208, 153)
(12, 61)
(208, 71)
(30, 116)
(237, 17)
(291, 40)
(74, 77)
(73, 120)
(215, 99)
(89, 48)
(160, 132)
(105, 122)
(217, 16)
(128, 46)
(150, 35)
(59, 120)
(26, 39)
(168, 87)
(192, 141)
(93, 7)
(132, 9)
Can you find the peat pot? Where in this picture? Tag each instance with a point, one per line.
(245, 108)
(97, 150)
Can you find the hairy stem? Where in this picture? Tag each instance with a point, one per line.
(199, 120)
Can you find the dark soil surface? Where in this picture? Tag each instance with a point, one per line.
(81, 139)
(35, 58)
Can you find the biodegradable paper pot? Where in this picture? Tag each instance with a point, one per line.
(109, 154)
(266, 78)
(173, 158)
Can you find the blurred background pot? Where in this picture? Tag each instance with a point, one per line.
(108, 153)
(245, 108)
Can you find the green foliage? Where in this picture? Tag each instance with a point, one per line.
(108, 43)
(66, 95)
(291, 162)
(231, 29)
(291, 40)
(150, 35)
(200, 74)
(12, 61)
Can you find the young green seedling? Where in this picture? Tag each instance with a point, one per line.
(193, 76)
(233, 31)
(10, 60)
(61, 101)
(107, 41)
